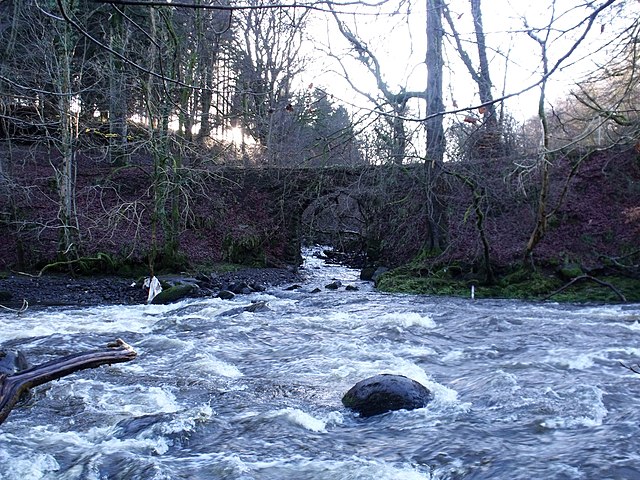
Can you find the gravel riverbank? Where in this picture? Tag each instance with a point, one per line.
(65, 290)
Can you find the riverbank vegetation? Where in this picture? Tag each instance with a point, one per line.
(144, 138)
(545, 284)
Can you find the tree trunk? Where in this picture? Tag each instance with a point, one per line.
(160, 104)
(484, 77)
(13, 386)
(66, 175)
(435, 104)
(487, 141)
(205, 105)
(434, 124)
(399, 143)
(540, 226)
(117, 93)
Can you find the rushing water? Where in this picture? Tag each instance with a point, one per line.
(522, 390)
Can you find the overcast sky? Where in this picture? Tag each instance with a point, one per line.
(399, 42)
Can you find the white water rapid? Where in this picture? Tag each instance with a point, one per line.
(521, 390)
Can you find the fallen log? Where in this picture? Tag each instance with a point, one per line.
(588, 277)
(13, 386)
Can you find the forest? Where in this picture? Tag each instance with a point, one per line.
(156, 135)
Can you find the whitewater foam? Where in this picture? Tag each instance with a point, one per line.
(32, 467)
(207, 362)
(302, 419)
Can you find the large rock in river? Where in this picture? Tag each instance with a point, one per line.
(384, 393)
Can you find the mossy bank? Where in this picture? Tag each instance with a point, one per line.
(517, 283)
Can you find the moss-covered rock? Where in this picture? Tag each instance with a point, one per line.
(570, 271)
(173, 294)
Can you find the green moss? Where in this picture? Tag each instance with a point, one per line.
(589, 291)
(132, 270)
(424, 255)
(570, 271)
(173, 294)
(532, 286)
(404, 281)
(519, 283)
(244, 247)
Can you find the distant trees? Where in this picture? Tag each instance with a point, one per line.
(163, 87)
(161, 82)
(311, 131)
(268, 59)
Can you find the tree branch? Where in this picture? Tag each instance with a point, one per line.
(231, 8)
(588, 277)
(13, 386)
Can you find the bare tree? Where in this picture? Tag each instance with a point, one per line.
(436, 142)
(488, 135)
(47, 65)
(604, 110)
(269, 57)
(396, 99)
(543, 37)
(118, 84)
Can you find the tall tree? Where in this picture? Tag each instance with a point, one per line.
(269, 58)
(118, 88)
(161, 100)
(543, 36)
(436, 142)
(489, 135)
(46, 70)
(393, 102)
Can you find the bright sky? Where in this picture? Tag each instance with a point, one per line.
(399, 42)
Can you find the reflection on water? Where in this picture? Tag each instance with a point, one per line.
(521, 390)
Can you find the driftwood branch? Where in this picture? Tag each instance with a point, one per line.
(12, 386)
(588, 277)
(22, 309)
(633, 368)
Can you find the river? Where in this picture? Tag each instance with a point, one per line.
(522, 390)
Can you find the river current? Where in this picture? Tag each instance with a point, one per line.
(521, 390)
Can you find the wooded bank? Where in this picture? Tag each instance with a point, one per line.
(261, 216)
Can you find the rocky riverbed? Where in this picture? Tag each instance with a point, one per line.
(65, 290)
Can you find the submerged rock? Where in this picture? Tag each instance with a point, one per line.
(336, 284)
(12, 362)
(252, 308)
(384, 393)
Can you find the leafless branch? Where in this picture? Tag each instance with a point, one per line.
(231, 8)
(634, 368)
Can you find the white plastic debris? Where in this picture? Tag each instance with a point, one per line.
(153, 284)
